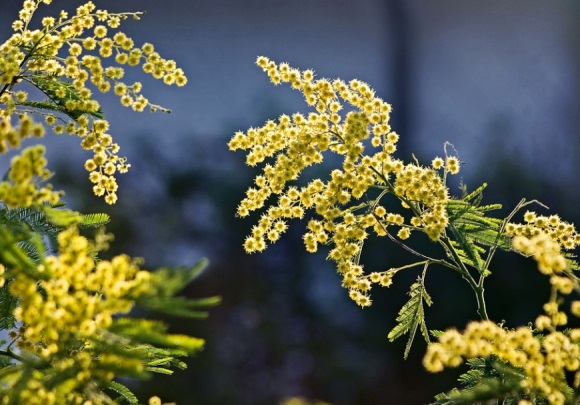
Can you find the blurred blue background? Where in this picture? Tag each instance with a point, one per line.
(499, 80)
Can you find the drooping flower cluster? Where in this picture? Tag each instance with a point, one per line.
(350, 204)
(64, 59)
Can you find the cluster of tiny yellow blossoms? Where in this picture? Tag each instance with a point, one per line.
(544, 360)
(21, 188)
(559, 231)
(545, 251)
(291, 144)
(63, 59)
(10, 137)
(68, 309)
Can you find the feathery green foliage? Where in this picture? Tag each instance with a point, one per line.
(355, 203)
(169, 282)
(412, 316)
(66, 311)
(128, 347)
(125, 394)
(473, 231)
(7, 305)
(59, 93)
(47, 221)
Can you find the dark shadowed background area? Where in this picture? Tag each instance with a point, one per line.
(499, 80)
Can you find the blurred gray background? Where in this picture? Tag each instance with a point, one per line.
(498, 79)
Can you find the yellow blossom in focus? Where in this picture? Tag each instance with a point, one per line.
(541, 361)
(347, 119)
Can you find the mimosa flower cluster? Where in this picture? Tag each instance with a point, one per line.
(544, 237)
(67, 312)
(71, 336)
(372, 193)
(27, 170)
(347, 119)
(62, 306)
(543, 360)
(65, 59)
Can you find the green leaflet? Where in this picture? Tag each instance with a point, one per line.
(11, 254)
(159, 370)
(436, 333)
(63, 218)
(165, 283)
(170, 281)
(125, 393)
(473, 232)
(131, 349)
(94, 220)
(58, 93)
(7, 305)
(154, 333)
(46, 222)
(412, 316)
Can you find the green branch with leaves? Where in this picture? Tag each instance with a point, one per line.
(372, 193)
(65, 310)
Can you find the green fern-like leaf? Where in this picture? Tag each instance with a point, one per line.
(471, 377)
(62, 218)
(467, 248)
(94, 220)
(7, 305)
(125, 393)
(159, 370)
(12, 255)
(146, 341)
(412, 316)
(47, 221)
(475, 196)
(436, 333)
(444, 398)
(151, 332)
(30, 225)
(165, 283)
(473, 231)
(32, 250)
(59, 92)
(169, 281)
(181, 306)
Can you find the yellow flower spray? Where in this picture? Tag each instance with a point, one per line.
(373, 193)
